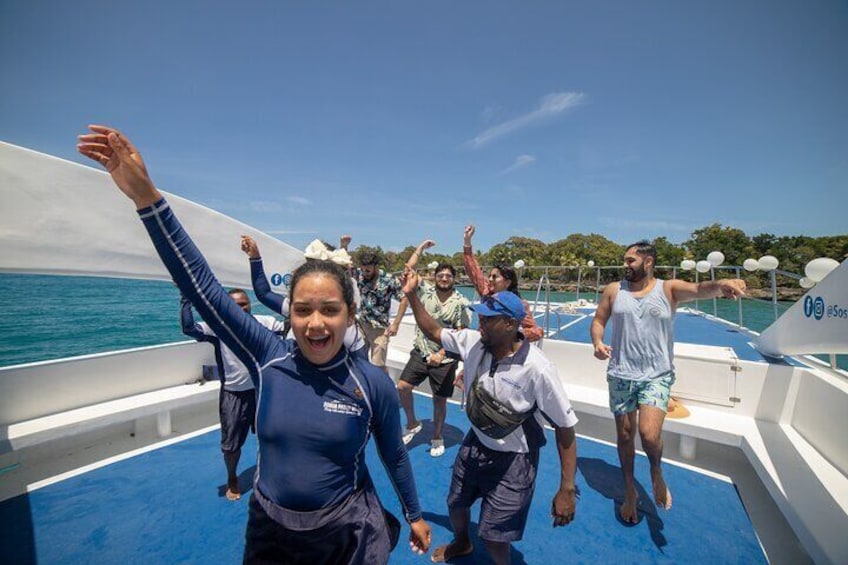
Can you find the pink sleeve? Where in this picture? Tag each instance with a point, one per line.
(474, 272)
(531, 330)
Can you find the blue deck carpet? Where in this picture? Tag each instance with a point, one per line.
(167, 506)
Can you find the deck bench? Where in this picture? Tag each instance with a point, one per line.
(159, 403)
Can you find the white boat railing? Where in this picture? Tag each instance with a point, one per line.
(547, 279)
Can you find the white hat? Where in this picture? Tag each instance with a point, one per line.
(318, 251)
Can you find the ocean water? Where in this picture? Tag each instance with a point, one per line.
(51, 317)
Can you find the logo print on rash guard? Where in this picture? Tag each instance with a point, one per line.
(342, 407)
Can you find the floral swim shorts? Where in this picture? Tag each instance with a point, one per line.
(626, 395)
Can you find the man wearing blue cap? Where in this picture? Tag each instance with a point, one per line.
(512, 391)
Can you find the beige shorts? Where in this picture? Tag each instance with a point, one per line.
(378, 342)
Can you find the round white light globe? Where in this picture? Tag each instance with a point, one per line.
(768, 262)
(433, 265)
(520, 263)
(807, 283)
(715, 258)
(687, 264)
(751, 265)
(590, 263)
(817, 269)
(703, 266)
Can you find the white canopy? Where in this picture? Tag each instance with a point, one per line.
(62, 218)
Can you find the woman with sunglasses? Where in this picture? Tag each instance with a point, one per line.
(501, 277)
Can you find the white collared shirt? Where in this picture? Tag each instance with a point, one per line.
(520, 381)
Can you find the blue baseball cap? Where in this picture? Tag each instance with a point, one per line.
(503, 303)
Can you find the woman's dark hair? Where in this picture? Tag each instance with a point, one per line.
(326, 268)
(509, 273)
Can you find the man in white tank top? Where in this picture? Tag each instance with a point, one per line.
(641, 359)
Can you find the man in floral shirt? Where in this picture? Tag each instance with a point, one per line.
(377, 288)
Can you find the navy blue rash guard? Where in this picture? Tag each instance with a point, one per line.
(313, 421)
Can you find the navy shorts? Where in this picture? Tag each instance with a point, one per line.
(441, 377)
(504, 480)
(358, 530)
(237, 409)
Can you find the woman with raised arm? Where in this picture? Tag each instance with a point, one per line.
(313, 500)
(501, 277)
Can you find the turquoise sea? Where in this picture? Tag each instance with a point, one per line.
(50, 317)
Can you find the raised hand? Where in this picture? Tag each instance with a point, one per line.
(427, 244)
(249, 246)
(113, 150)
(344, 241)
(409, 280)
(468, 234)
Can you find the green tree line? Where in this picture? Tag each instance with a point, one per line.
(578, 249)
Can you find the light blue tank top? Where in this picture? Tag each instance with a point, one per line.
(642, 335)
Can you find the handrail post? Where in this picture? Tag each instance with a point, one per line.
(697, 302)
(715, 300)
(739, 300)
(538, 291)
(598, 286)
(774, 292)
(547, 280)
(579, 280)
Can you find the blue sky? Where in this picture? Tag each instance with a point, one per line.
(396, 121)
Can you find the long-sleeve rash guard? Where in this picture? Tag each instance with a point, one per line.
(313, 421)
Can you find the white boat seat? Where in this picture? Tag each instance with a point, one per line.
(21, 435)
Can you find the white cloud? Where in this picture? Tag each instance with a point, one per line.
(551, 106)
(520, 162)
(490, 112)
(265, 206)
(300, 200)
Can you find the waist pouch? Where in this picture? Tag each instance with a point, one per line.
(491, 416)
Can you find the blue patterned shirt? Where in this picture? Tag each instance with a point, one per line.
(377, 297)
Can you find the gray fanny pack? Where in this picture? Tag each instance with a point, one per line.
(488, 414)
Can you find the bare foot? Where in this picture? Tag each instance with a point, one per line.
(233, 492)
(628, 511)
(662, 496)
(445, 553)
